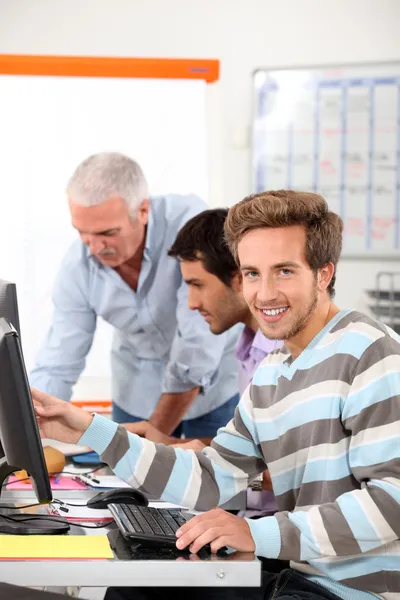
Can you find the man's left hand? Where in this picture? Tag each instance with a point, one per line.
(146, 430)
(217, 528)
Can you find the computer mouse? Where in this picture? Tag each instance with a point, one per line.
(119, 496)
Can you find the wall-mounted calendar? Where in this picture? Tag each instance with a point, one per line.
(335, 131)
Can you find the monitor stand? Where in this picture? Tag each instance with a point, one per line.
(24, 523)
(5, 471)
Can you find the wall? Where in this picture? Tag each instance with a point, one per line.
(244, 35)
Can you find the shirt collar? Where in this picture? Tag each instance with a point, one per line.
(257, 341)
(244, 344)
(151, 233)
(261, 342)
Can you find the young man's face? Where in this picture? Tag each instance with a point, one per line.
(220, 305)
(109, 231)
(278, 285)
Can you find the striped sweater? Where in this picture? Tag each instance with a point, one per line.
(327, 424)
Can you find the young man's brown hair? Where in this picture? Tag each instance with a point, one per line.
(284, 208)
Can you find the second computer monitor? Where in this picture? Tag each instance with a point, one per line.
(8, 304)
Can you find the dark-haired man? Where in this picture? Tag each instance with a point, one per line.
(215, 287)
(215, 290)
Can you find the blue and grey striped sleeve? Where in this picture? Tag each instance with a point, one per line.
(363, 519)
(199, 480)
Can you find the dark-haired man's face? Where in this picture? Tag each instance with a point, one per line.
(220, 305)
(286, 297)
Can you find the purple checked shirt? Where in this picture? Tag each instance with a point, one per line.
(251, 349)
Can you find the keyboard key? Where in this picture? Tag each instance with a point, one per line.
(160, 517)
(170, 520)
(134, 515)
(150, 520)
(179, 518)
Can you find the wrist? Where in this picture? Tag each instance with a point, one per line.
(99, 434)
(80, 419)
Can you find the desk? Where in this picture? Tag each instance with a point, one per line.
(241, 571)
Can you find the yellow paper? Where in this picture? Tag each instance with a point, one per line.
(55, 546)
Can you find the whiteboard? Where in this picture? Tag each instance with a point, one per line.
(335, 131)
(48, 126)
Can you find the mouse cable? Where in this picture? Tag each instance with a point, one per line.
(55, 501)
(62, 503)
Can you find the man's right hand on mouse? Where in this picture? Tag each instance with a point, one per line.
(59, 420)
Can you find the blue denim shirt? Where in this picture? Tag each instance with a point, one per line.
(159, 344)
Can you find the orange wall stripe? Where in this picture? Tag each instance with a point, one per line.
(92, 404)
(86, 66)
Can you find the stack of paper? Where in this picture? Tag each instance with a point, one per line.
(81, 514)
(107, 482)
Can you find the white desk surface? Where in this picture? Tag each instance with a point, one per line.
(236, 570)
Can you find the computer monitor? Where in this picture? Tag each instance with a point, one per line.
(8, 304)
(20, 443)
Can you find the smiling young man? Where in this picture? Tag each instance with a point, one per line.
(322, 412)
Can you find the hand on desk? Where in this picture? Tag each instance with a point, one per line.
(148, 431)
(217, 528)
(59, 420)
(191, 445)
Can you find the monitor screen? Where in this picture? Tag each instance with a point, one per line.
(21, 446)
(8, 304)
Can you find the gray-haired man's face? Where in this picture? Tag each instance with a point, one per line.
(109, 231)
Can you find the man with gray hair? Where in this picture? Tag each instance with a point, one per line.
(167, 366)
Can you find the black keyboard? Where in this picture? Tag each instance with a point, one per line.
(148, 525)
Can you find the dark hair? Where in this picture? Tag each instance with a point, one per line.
(284, 208)
(202, 238)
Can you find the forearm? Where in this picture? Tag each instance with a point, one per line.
(193, 479)
(171, 409)
(178, 467)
